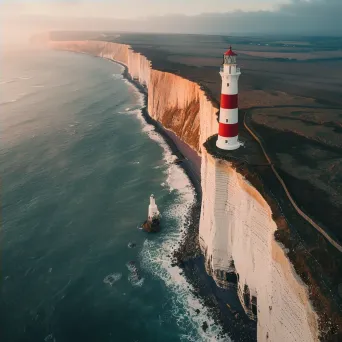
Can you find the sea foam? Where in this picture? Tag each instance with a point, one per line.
(155, 254)
(110, 279)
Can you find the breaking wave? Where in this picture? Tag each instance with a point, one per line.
(155, 254)
(8, 81)
(20, 97)
(111, 279)
(117, 76)
(136, 281)
(23, 78)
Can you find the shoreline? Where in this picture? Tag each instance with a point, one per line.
(287, 234)
(191, 163)
(231, 318)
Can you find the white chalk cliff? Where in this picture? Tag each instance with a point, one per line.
(236, 225)
(237, 236)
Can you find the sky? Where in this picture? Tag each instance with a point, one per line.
(21, 18)
(133, 8)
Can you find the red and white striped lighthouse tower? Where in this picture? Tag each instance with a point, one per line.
(228, 123)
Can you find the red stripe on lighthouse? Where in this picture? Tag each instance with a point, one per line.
(228, 130)
(229, 101)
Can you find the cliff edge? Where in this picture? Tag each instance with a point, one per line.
(237, 226)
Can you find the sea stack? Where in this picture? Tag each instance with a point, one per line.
(228, 125)
(152, 224)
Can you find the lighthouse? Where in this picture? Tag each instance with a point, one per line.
(153, 212)
(228, 122)
(151, 225)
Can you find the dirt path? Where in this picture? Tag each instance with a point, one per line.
(296, 207)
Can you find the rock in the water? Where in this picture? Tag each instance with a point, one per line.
(132, 244)
(205, 326)
(151, 226)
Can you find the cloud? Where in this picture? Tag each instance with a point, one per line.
(302, 17)
(129, 8)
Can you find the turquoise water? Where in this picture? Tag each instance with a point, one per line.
(78, 164)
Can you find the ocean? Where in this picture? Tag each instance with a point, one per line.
(78, 164)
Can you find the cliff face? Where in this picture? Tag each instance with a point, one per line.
(237, 238)
(236, 225)
(180, 105)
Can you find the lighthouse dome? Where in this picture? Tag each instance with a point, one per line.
(230, 52)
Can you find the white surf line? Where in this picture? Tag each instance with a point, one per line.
(155, 254)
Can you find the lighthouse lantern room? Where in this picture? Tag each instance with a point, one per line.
(228, 120)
